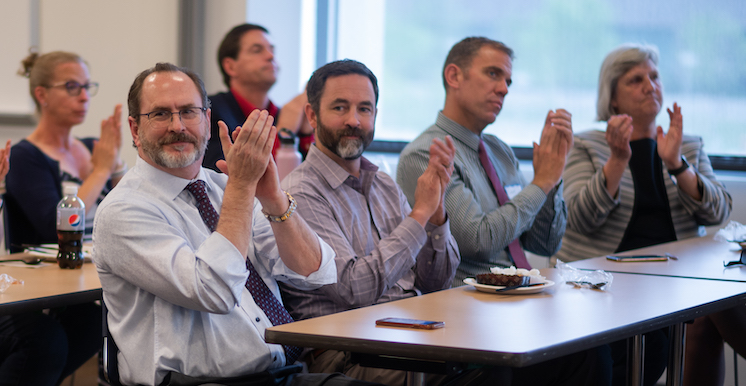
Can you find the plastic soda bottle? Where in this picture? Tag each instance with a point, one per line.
(70, 228)
(287, 157)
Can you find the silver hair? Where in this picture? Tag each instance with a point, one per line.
(616, 64)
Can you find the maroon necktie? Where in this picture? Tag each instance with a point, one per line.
(516, 252)
(263, 297)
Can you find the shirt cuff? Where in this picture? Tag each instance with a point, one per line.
(223, 258)
(438, 235)
(327, 272)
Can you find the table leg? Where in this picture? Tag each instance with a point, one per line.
(415, 378)
(677, 337)
(635, 360)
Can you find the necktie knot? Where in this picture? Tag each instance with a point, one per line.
(197, 188)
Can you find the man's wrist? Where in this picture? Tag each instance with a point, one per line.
(676, 170)
(420, 216)
(545, 186)
(284, 216)
(277, 205)
(439, 218)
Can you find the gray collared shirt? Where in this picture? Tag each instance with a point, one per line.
(482, 228)
(382, 254)
(176, 291)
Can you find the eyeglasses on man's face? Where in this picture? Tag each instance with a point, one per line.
(191, 116)
(73, 88)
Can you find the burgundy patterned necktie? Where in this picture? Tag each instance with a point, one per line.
(516, 252)
(263, 297)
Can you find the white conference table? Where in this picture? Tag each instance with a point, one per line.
(48, 286)
(512, 330)
(697, 257)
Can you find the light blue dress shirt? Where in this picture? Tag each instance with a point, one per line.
(176, 291)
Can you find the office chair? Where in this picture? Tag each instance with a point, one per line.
(110, 350)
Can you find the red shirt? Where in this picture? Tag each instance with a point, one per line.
(304, 141)
(247, 108)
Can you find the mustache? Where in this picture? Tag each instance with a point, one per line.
(177, 137)
(352, 131)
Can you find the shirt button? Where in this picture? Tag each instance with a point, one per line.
(257, 319)
(429, 234)
(437, 237)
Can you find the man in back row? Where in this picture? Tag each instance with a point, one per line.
(246, 58)
(385, 250)
(494, 212)
(187, 260)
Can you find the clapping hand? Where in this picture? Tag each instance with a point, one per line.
(249, 151)
(431, 186)
(551, 154)
(442, 154)
(106, 149)
(618, 135)
(669, 144)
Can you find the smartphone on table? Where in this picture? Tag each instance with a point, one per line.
(410, 323)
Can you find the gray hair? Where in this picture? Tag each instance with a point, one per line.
(616, 64)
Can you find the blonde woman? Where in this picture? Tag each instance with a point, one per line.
(60, 85)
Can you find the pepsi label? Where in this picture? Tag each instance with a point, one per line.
(71, 219)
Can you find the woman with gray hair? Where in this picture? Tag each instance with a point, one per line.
(635, 185)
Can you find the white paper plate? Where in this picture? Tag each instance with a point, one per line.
(518, 291)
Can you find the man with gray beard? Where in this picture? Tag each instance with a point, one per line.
(385, 250)
(189, 258)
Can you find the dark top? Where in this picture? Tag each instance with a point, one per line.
(224, 108)
(34, 187)
(651, 217)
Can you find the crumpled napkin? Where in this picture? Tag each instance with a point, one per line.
(733, 232)
(6, 280)
(599, 279)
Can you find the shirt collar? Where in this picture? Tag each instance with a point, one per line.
(247, 107)
(461, 133)
(334, 174)
(169, 184)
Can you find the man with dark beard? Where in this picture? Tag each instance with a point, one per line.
(187, 260)
(385, 249)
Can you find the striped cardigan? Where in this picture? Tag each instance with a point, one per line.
(596, 222)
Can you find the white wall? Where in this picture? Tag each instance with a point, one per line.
(220, 17)
(118, 40)
(284, 33)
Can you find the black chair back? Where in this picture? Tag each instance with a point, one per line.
(110, 350)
